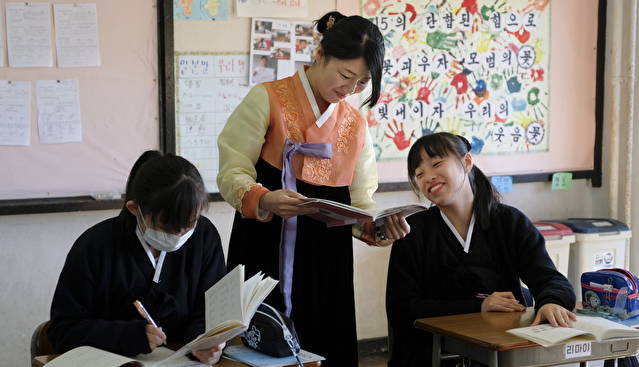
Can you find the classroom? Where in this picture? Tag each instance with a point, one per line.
(131, 94)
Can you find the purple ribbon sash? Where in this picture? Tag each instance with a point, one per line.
(289, 226)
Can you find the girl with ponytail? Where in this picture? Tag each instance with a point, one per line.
(466, 254)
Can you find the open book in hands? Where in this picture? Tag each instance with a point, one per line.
(230, 305)
(337, 214)
(595, 327)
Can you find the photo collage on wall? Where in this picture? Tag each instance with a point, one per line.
(277, 46)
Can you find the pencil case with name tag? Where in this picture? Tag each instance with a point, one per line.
(611, 291)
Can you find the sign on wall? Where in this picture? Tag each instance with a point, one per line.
(477, 68)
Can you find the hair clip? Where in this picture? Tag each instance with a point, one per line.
(330, 22)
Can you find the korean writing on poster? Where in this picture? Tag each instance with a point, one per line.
(477, 68)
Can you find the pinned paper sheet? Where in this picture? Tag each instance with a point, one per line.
(274, 9)
(76, 35)
(15, 112)
(29, 34)
(59, 111)
(562, 180)
(503, 184)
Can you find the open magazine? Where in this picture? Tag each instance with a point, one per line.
(597, 328)
(229, 305)
(337, 214)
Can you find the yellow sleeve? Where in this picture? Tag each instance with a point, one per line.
(239, 145)
(364, 181)
(365, 178)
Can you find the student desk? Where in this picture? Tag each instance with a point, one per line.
(482, 337)
(40, 361)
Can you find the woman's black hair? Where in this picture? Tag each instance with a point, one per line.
(443, 144)
(352, 37)
(168, 188)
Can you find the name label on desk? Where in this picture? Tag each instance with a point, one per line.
(578, 349)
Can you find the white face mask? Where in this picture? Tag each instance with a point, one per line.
(163, 241)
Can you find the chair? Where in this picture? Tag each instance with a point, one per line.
(40, 341)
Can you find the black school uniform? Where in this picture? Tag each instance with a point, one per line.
(107, 269)
(430, 275)
(323, 296)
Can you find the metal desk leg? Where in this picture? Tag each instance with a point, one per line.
(437, 349)
(493, 359)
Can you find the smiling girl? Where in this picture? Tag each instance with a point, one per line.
(298, 137)
(466, 254)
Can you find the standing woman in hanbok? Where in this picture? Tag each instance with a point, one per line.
(295, 138)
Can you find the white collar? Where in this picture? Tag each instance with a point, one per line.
(157, 264)
(469, 234)
(320, 119)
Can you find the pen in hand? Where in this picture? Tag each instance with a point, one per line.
(145, 314)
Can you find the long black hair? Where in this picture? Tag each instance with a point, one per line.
(168, 188)
(348, 38)
(443, 144)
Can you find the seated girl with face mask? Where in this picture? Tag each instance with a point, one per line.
(158, 250)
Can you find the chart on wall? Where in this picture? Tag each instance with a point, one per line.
(477, 68)
(208, 88)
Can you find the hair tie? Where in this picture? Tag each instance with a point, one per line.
(330, 22)
(466, 142)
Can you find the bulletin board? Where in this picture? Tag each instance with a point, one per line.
(520, 79)
(570, 95)
(119, 108)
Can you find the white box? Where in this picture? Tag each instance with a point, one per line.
(594, 251)
(558, 249)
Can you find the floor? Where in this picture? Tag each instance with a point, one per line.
(374, 360)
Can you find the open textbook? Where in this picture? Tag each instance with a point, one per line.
(229, 307)
(594, 327)
(94, 357)
(337, 214)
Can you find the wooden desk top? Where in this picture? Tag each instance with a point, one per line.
(484, 329)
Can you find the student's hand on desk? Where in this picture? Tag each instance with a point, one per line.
(155, 336)
(284, 203)
(395, 227)
(555, 315)
(209, 356)
(501, 302)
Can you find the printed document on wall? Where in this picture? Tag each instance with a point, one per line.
(15, 113)
(76, 35)
(59, 111)
(29, 34)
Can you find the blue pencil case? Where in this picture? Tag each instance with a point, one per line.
(611, 291)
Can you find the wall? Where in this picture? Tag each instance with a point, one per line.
(34, 247)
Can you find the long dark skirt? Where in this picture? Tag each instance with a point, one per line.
(323, 296)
